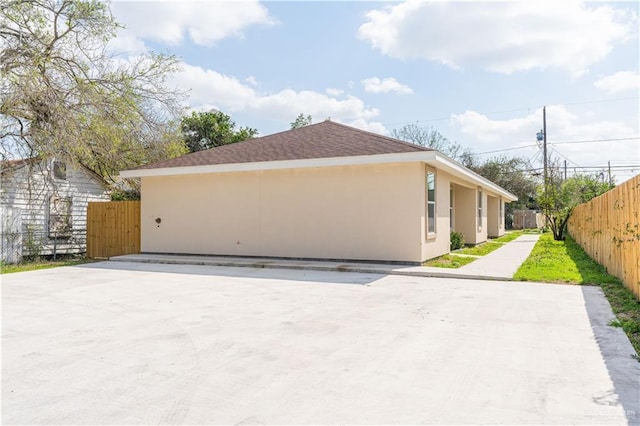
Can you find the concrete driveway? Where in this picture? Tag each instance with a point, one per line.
(123, 343)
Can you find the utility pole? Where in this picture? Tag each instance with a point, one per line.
(609, 166)
(541, 136)
(544, 145)
(565, 169)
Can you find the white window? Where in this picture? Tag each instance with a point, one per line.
(430, 188)
(479, 208)
(501, 217)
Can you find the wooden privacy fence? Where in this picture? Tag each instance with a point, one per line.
(113, 228)
(607, 227)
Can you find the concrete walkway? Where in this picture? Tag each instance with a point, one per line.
(499, 265)
(505, 261)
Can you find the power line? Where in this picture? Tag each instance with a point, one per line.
(597, 101)
(557, 143)
(603, 167)
(596, 140)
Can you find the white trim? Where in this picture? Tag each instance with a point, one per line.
(431, 158)
(458, 170)
(404, 157)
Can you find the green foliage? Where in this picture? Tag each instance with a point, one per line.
(430, 138)
(457, 240)
(481, 249)
(559, 197)
(125, 195)
(449, 261)
(508, 173)
(66, 95)
(582, 188)
(205, 130)
(301, 121)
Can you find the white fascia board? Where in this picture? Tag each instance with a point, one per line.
(433, 158)
(458, 170)
(404, 157)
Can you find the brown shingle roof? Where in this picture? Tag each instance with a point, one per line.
(322, 140)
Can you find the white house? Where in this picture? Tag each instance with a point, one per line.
(323, 191)
(43, 207)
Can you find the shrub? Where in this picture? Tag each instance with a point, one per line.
(457, 240)
(124, 195)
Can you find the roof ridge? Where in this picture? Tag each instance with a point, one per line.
(318, 140)
(390, 139)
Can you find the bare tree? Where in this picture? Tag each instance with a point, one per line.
(64, 93)
(431, 138)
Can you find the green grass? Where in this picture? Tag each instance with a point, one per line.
(491, 245)
(561, 262)
(566, 262)
(627, 309)
(449, 261)
(40, 264)
(508, 237)
(481, 249)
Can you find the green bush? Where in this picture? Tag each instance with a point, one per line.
(124, 195)
(457, 240)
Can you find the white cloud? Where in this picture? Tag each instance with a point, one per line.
(334, 92)
(485, 134)
(202, 22)
(251, 80)
(215, 90)
(386, 85)
(501, 36)
(562, 125)
(371, 126)
(619, 82)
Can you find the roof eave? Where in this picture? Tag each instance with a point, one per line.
(432, 158)
(456, 169)
(404, 157)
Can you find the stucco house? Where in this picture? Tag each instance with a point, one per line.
(323, 191)
(43, 207)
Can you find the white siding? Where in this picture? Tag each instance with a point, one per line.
(11, 235)
(30, 187)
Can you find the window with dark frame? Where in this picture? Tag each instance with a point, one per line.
(59, 170)
(479, 208)
(59, 217)
(431, 202)
(451, 218)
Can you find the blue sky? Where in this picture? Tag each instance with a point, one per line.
(477, 72)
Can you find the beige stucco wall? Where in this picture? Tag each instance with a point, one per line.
(368, 212)
(465, 213)
(495, 223)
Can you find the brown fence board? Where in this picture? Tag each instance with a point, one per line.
(608, 228)
(113, 228)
